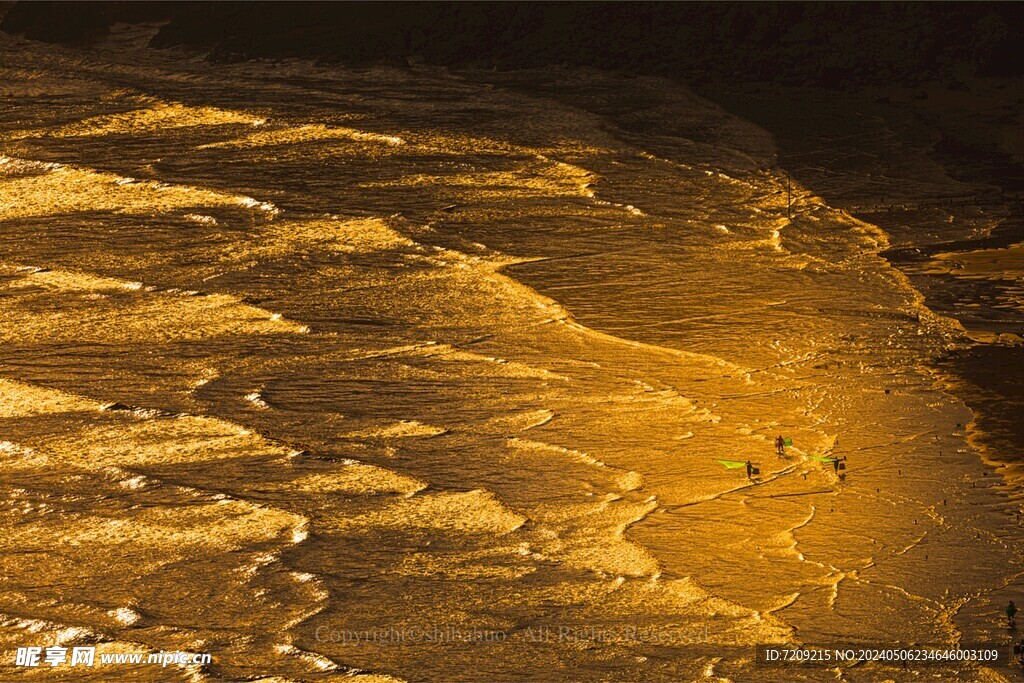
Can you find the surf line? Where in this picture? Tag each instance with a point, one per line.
(767, 480)
(791, 495)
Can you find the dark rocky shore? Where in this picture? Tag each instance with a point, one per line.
(824, 44)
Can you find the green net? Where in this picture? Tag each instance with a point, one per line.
(731, 464)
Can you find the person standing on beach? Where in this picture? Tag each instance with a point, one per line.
(750, 470)
(1011, 609)
(780, 446)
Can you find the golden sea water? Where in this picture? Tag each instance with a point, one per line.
(296, 354)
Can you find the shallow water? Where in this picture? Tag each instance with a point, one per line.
(293, 353)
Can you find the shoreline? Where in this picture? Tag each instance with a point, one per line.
(928, 255)
(615, 440)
